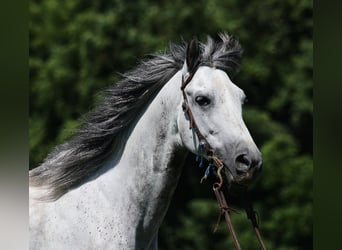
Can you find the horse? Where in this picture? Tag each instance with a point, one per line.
(110, 185)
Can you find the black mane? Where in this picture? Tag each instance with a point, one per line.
(104, 129)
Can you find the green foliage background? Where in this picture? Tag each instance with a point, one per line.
(78, 47)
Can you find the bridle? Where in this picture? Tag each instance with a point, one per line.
(218, 164)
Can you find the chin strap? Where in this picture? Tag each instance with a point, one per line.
(251, 215)
(225, 210)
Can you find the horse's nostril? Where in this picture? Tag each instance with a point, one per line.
(248, 162)
(243, 163)
(243, 158)
(258, 165)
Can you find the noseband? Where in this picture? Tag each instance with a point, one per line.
(217, 164)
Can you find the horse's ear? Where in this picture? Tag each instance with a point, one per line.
(193, 54)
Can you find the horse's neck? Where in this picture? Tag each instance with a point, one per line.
(148, 171)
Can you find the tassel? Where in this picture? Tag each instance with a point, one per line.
(207, 173)
(200, 153)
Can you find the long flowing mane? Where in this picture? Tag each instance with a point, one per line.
(104, 129)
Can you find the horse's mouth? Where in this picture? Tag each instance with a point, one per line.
(235, 180)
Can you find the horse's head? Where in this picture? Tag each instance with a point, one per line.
(216, 106)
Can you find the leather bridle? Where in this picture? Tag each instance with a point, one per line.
(218, 164)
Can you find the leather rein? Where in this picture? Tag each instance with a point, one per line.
(215, 161)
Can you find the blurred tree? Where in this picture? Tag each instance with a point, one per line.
(77, 47)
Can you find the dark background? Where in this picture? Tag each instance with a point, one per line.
(14, 78)
(77, 48)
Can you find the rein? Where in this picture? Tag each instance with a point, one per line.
(215, 161)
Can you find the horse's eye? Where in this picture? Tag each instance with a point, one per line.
(202, 100)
